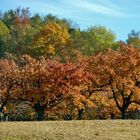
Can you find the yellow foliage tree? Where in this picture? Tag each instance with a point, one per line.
(50, 39)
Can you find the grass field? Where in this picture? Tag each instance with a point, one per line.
(71, 130)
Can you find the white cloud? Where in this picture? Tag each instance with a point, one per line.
(78, 8)
(95, 7)
(101, 9)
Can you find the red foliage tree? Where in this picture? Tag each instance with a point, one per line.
(47, 83)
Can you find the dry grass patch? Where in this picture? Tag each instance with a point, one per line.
(71, 130)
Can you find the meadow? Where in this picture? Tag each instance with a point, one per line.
(71, 130)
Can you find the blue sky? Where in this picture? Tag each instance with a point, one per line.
(119, 16)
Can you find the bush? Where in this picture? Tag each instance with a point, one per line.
(20, 111)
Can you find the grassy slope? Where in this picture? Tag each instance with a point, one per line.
(71, 130)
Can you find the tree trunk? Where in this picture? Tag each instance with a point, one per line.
(1, 107)
(123, 113)
(40, 111)
(80, 114)
(112, 115)
(40, 115)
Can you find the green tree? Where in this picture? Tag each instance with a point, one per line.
(76, 37)
(36, 21)
(62, 22)
(22, 36)
(134, 39)
(9, 18)
(4, 36)
(97, 38)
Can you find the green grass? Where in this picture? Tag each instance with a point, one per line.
(71, 130)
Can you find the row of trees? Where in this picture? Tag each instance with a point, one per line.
(56, 67)
(48, 83)
(49, 36)
(53, 37)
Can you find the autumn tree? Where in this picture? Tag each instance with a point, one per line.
(50, 39)
(46, 83)
(9, 75)
(22, 32)
(20, 29)
(105, 106)
(118, 73)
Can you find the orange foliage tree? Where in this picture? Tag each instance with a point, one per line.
(9, 76)
(117, 72)
(46, 83)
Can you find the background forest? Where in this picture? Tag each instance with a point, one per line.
(52, 70)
